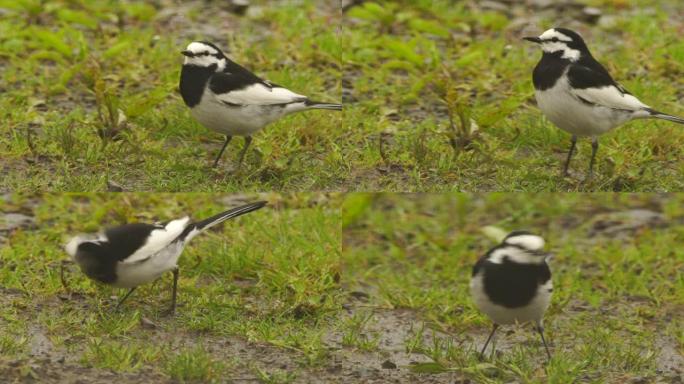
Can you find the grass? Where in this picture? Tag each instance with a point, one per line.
(268, 281)
(616, 297)
(441, 98)
(438, 97)
(327, 286)
(89, 96)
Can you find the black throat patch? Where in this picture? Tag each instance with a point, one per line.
(513, 285)
(193, 80)
(549, 69)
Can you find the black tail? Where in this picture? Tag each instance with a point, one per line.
(318, 105)
(195, 228)
(665, 116)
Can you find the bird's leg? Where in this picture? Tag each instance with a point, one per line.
(540, 329)
(172, 310)
(594, 148)
(494, 328)
(248, 141)
(124, 298)
(222, 149)
(572, 149)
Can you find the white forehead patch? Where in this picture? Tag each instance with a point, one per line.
(527, 241)
(551, 33)
(197, 47)
(72, 246)
(514, 255)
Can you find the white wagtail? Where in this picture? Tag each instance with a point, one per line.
(578, 95)
(133, 254)
(229, 99)
(512, 283)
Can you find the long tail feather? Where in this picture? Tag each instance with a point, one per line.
(318, 105)
(665, 116)
(195, 229)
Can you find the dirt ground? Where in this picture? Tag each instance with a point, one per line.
(390, 362)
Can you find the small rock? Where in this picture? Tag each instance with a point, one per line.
(239, 7)
(542, 4)
(359, 295)
(113, 186)
(616, 224)
(147, 323)
(389, 365)
(591, 15)
(347, 4)
(11, 221)
(495, 6)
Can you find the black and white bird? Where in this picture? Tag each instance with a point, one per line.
(511, 283)
(231, 100)
(578, 94)
(133, 254)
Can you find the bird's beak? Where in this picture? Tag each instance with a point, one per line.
(186, 53)
(533, 39)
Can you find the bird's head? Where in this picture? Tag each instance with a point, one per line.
(204, 54)
(81, 243)
(569, 44)
(519, 247)
(524, 240)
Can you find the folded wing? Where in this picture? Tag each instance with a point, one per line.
(598, 88)
(241, 90)
(159, 239)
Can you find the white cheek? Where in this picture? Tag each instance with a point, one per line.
(555, 46)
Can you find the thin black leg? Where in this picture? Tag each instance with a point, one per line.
(173, 295)
(248, 141)
(572, 149)
(125, 297)
(494, 328)
(540, 329)
(222, 149)
(594, 149)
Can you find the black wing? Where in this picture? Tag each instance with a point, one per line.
(124, 240)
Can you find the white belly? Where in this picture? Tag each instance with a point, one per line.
(131, 275)
(574, 116)
(234, 120)
(534, 311)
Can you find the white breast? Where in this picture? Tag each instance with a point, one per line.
(534, 311)
(570, 114)
(242, 120)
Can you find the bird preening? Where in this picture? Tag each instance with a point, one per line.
(133, 254)
(511, 283)
(578, 95)
(227, 98)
